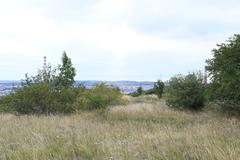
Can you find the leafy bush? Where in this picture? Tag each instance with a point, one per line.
(38, 98)
(224, 72)
(98, 97)
(53, 92)
(158, 88)
(186, 91)
(5, 103)
(149, 91)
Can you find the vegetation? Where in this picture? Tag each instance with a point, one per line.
(67, 72)
(140, 126)
(51, 91)
(147, 130)
(158, 88)
(224, 71)
(186, 91)
(140, 91)
(98, 97)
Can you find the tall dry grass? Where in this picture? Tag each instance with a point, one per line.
(143, 129)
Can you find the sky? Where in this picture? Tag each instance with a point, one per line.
(141, 40)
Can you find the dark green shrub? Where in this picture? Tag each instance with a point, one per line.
(5, 102)
(38, 98)
(138, 92)
(186, 91)
(34, 98)
(158, 88)
(149, 91)
(97, 102)
(224, 72)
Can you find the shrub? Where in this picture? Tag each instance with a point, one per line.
(38, 98)
(149, 91)
(5, 102)
(98, 97)
(53, 91)
(186, 91)
(158, 88)
(138, 92)
(50, 91)
(224, 72)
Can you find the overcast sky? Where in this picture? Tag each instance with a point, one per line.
(114, 39)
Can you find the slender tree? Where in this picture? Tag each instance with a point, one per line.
(158, 88)
(67, 72)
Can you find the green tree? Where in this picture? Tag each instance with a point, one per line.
(186, 91)
(67, 72)
(224, 71)
(139, 91)
(158, 88)
(46, 75)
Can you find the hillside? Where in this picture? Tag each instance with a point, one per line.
(143, 129)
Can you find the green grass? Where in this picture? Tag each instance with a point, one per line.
(143, 129)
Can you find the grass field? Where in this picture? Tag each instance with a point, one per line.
(143, 129)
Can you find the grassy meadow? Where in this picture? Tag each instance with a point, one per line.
(144, 128)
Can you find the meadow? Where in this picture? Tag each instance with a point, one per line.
(143, 129)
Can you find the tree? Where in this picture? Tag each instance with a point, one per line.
(67, 72)
(186, 91)
(224, 71)
(158, 88)
(139, 91)
(46, 75)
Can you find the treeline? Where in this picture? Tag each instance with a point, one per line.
(193, 92)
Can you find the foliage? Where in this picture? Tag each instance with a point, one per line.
(139, 90)
(52, 92)
(186, 91)
(224, 71)
(149, 91)
(158, 88)
(67, 72)
(38, 98)
(45, 75)
(98, 97)
(5, 102)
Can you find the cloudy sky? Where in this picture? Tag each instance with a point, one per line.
(114, 39)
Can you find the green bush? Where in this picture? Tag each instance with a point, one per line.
(224, 72)
(158, 88)
(53, 92)
(138, 92)
(98, 97)
(149, 91)
(38, 98)
(186, 91)
(6, 103)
